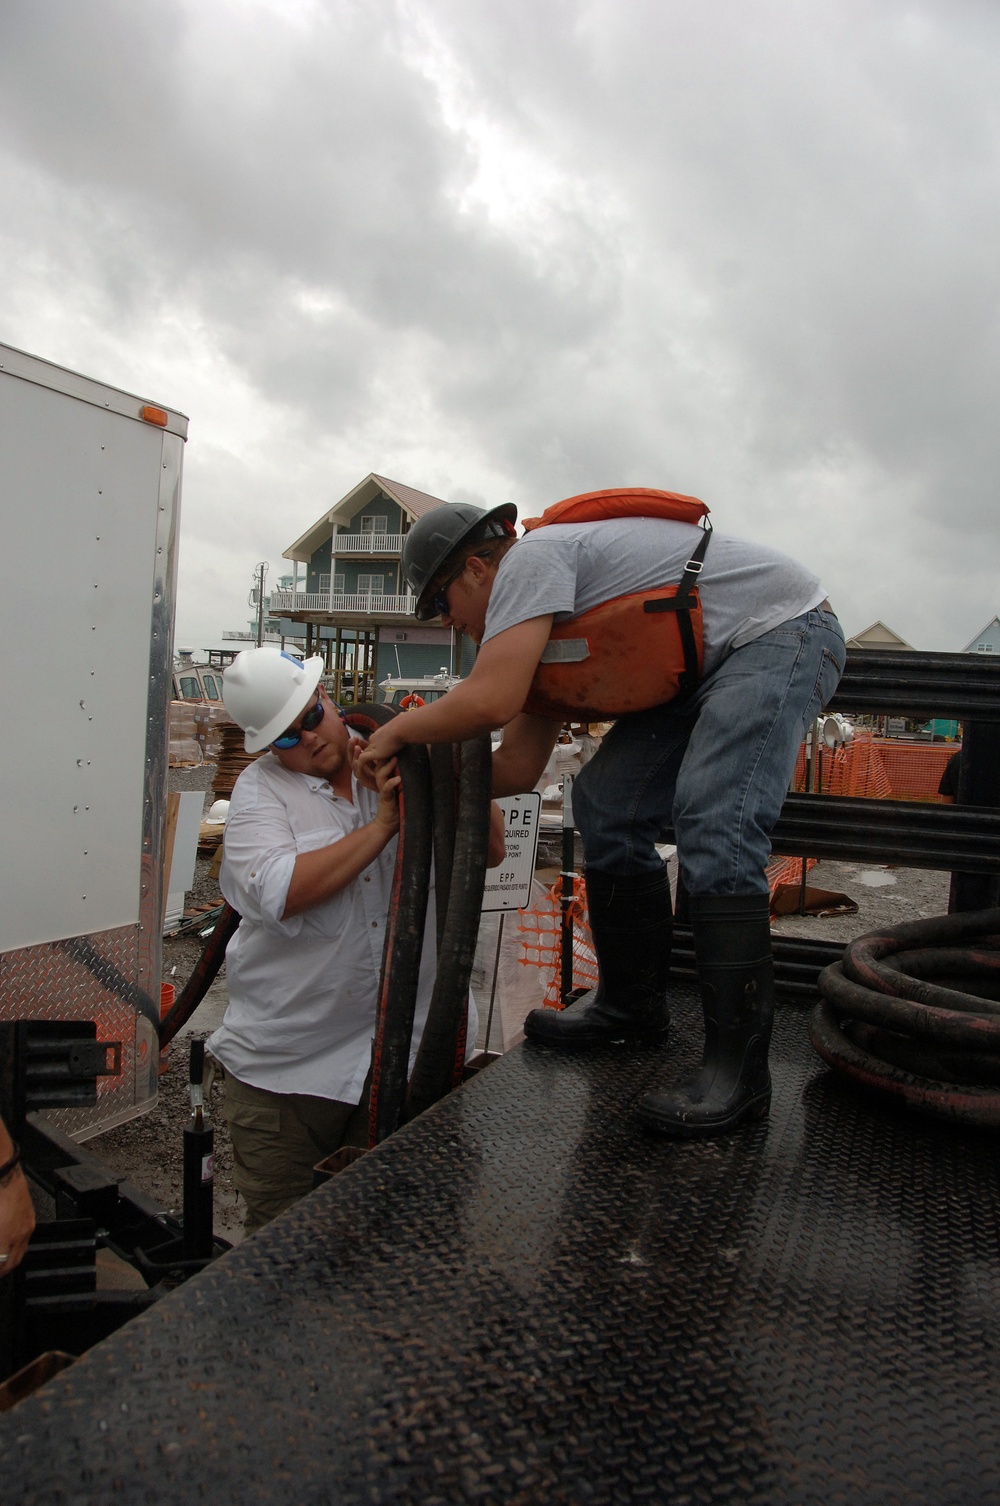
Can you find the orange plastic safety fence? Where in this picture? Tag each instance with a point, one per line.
(786, 871)
(541, 930)
(541, 941)
(878, 768)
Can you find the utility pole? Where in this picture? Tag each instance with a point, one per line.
(257, 597)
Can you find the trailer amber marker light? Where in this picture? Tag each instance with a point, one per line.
(153, 415)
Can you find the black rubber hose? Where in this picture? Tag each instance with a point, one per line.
(404, 936)
(204, 972)
(444, 785)
(871, 960)
(956, 1027)
(367, 716)
(441, 1058)
(966, 1104)
(886, 1027)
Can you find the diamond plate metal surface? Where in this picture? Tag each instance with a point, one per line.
(85, 978)
(523, 1298)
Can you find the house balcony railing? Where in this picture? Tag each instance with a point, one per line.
(233, 635)
(370, 605)
(367, 543)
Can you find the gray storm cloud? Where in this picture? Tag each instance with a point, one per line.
(743, 251)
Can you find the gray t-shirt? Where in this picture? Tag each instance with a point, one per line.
(746, 589)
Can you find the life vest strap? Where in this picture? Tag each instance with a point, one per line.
(682, 604)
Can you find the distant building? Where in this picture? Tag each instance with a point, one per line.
(878, 636)
(353, 605)
(987, 641)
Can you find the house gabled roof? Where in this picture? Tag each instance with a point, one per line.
(878, 636)
(983, 633)
(410, 500)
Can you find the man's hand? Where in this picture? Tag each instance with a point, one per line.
(388, 783)
(492, 696)
(384, 743)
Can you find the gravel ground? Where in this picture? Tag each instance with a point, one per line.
(149, 1149)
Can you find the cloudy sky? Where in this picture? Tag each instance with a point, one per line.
(509, 250)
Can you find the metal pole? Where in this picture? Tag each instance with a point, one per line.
(260, 574)
(199, 1146)
(810, 748)
(493, 990)
(568, 876)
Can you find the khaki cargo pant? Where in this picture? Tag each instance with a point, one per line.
(277, 1139)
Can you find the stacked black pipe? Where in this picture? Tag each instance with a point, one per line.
(913, 1012)
(445, 813)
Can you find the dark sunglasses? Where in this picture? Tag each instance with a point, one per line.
(439, 601)
(293, 736)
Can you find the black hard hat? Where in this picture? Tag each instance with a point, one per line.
(439, 533)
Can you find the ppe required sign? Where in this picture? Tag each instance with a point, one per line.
(508, 885)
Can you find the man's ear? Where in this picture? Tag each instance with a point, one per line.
(479, 569)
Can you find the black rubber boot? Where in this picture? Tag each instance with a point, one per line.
(732, 944)
(632, 925)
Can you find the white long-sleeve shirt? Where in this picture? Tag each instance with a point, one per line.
(303, 991)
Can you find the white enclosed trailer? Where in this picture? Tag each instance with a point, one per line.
(90, 482)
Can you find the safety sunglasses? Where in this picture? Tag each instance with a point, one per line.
(293, 736)
(439, 601)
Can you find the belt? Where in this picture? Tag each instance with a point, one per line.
(825, 606)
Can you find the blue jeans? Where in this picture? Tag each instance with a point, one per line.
(714, 770)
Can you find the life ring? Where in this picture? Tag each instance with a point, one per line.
(411, 700)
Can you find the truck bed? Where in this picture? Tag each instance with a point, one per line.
(522, 1297)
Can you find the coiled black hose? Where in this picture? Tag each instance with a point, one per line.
(913, 1011)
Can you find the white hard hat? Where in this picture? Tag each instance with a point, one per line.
(264, 690)
(218, 812)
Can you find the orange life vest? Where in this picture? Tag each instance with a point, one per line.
(632, 652)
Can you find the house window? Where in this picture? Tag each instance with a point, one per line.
(377, 523)
(371, 585)
(324, 583)
(338, 585)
